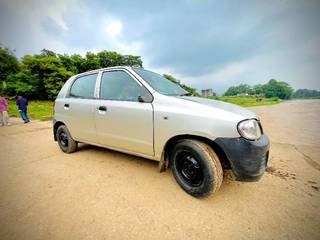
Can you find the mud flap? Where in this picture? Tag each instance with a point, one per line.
(163, 163)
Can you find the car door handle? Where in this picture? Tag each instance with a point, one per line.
(66, 106)
(102, 108)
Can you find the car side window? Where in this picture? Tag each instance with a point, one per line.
(119, 85)
(83, 87)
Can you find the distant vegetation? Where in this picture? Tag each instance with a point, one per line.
(247, 101)
(272, 89)
(41, 76)
(244, 101)
(306, 93)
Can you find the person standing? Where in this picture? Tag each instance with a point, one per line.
(22, 107)
(4, 118)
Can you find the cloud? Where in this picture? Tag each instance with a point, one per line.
(21, 25)
(287, 65)
(113, 28)
(204, 43)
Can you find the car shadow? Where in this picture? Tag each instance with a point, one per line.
(228, 176)
(82, 147)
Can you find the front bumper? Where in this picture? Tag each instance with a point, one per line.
(248, 159)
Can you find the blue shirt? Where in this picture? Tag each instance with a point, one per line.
(22, 104)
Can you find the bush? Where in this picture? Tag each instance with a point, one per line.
(22, 83)
(41, 76)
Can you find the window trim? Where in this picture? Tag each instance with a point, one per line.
(69, 95)
(130, 75)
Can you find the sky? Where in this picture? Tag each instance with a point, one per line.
(203, 43)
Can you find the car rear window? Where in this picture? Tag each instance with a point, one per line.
(83, 87)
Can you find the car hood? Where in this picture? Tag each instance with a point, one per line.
(245, 113)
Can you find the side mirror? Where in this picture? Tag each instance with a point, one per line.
(140, 99)
(145, 96)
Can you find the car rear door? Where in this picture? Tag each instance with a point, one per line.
(122, 122)
(78, 108)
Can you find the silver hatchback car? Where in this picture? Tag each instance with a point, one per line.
(140, 112)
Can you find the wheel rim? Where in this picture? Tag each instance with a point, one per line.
(63, 139)
(189, 168)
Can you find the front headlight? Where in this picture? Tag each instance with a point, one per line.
(249, 129)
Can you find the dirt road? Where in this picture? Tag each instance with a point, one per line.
(100, 194)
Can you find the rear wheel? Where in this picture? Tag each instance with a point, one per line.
(66, 143)
(196, 168)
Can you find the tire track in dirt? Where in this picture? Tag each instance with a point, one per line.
(312, 163)
(308, 159)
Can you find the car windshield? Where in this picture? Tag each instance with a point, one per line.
(160, 83)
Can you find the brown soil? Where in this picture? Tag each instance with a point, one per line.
(101, 194)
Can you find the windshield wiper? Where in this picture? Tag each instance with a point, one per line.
(186, 94)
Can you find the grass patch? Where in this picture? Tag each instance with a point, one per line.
(41, 110)
(247, 101)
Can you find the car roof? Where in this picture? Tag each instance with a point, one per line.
(101, 69)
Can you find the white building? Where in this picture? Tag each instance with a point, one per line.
(207, 92)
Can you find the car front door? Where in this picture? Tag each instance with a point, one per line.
(122, 121)
(79, 108)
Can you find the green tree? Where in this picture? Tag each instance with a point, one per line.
(240, 89)
(258, 89)
(306, 93)
(278, 89)
(22, 83)
(55, 81)
(109, 59)
(232, 91)
(68, 62)
(78, 62)
(42, 67)
(47, 53)
(42, 75)
(271, 89)
(134, 61)
(91, 62)
(8, 65)
(50, 74)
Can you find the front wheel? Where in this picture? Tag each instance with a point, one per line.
(196, 168)
(66, 143)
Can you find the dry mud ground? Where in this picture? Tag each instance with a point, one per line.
(100, 194)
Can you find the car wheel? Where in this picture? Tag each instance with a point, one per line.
(196, 167)
(65, 141)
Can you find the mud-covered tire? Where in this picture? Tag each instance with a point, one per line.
(66, 143)
(196, 167)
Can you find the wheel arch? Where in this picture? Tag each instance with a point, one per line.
(165, 156)
(55, 128)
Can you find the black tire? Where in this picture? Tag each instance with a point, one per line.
(196, 167)
(66, 143)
